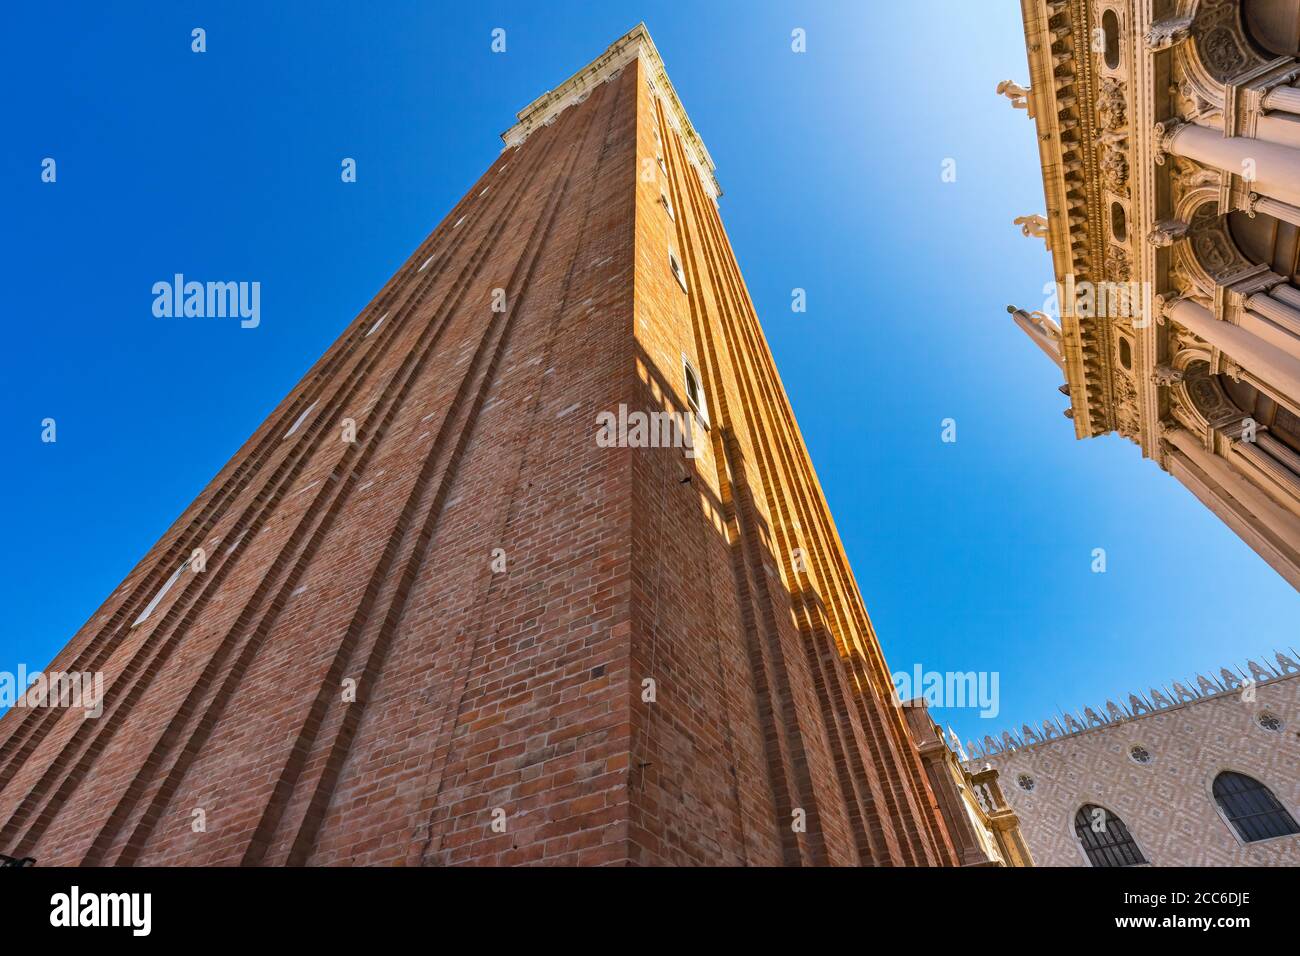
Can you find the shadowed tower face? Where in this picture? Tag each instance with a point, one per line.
(531, 567)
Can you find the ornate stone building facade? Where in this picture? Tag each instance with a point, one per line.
(984, 830)
(1198, 773)
(1169, 137)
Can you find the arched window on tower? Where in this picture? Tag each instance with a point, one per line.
(1105, 838)
(1251, 807)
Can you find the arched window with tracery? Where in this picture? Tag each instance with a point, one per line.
(1105, 839)
(1251, 807)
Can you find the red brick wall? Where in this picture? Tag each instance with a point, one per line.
(770, 683)
(480, 691)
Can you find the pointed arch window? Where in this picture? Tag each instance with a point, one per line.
(1251, 807)
(1105, 839)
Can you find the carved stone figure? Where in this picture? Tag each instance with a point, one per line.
(1112, 108)
(1017, 94)
(1165, 375)
(1189, 174)
(1047, 324)
(1167, 232)
(1167, 33)
(1114, 170)
(1034, 227)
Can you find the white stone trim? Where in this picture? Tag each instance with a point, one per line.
(635, 44)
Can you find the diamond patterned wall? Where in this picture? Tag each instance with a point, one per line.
(1166, 803)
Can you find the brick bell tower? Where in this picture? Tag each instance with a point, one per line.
(452, 603)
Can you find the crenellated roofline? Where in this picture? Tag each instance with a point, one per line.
(1136, 707)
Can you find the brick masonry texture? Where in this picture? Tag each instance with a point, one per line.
(515, 695)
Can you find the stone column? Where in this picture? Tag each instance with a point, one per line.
(1278, 520)
(1257, 325)
(1276, 171)
(1279, 325)
(1279, 451)
(1283, 98)
(1273, 467)
(1276, 309)
(1275, 208)
(1273, 365)
(1271, 530)
(1042, 330)
(1285, 293)
(1006, 828)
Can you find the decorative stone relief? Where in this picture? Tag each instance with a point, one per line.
(1112, 138)
(1220, 42)
(1189, 174)
(1164, 375)
(1214, 249)
(1164, 132)
(1117, 265)
(1127, 420)
(1207, 395)
(1114, 170)
(1112, 106)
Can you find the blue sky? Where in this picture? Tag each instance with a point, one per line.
(972, 556)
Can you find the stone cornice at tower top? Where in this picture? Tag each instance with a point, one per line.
(626, 49)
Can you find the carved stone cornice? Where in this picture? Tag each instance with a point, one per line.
(1119, 710)
(1081, 116)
